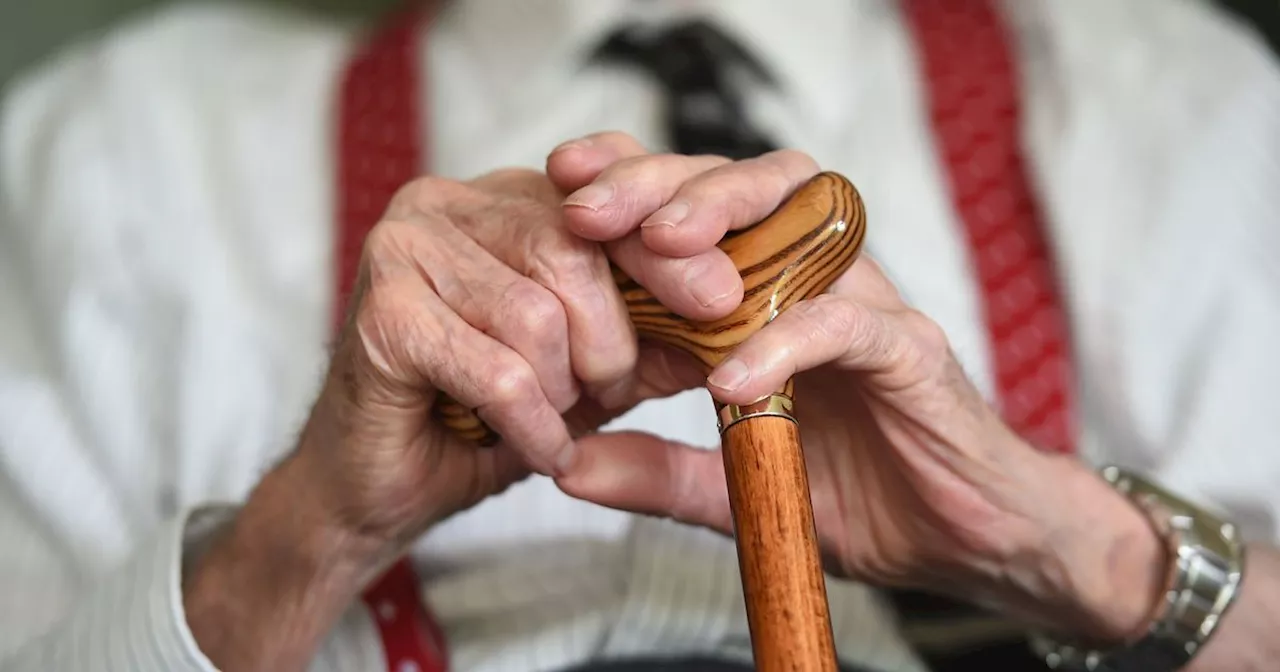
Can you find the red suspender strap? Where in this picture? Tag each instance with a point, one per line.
(380, 149)
(411, 637)
(380, 140)
(972, 89)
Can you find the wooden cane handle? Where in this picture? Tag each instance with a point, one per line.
(792, 255)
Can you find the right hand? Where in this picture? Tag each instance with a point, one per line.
(480, 291)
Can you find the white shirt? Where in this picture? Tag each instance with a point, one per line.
(166, 269)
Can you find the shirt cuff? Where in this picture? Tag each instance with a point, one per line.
(132, 619)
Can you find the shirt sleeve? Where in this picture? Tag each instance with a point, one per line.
(131, 619)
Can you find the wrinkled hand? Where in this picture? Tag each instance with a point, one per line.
(479, 290)
(915, 480)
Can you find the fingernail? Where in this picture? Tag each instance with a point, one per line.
(730, 375)
(707, 286)
(566, 458)
(580, 143)
(669, 215)
(591, 197)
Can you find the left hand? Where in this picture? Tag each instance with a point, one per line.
(915, 480)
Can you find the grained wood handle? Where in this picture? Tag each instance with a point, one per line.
(794, 254)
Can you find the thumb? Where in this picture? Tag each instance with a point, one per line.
(646, 474)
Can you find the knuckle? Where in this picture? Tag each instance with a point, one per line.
(419, 185)
(928, 335)
(827, 316)
(531, 309)
(391, 239)
(502, 222)
(422, 193)
(566, 265)
(519, 183)
(684, 488)
(724, 200)
(723, 194)
(851, 325)
(510, 382)
(524, 213)
(392, 329)
(792, 161)
(646, 170)
(763, 179)
(780, 170)
(385, 309)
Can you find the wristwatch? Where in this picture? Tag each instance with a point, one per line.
(1207, 561)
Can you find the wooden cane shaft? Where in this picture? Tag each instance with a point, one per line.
(777, 542)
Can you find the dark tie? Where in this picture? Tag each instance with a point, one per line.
(702, 72)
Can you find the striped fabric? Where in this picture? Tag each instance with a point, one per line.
(130, 621)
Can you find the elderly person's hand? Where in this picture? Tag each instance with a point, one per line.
(916, 481)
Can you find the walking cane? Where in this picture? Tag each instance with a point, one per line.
(794, 254)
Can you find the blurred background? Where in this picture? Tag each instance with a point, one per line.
(30, 29)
